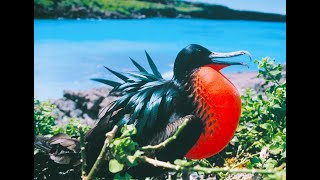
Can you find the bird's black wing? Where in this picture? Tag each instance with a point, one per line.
(145, 100)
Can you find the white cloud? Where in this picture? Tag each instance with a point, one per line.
(167, 75)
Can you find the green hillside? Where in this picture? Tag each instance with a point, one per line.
(44, 9)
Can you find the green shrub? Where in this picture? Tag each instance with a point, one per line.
(260, 139)
(262, 129)
(44, 120)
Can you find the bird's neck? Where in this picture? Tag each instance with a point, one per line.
(190, 99)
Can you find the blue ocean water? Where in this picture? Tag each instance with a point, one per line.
(67, 53)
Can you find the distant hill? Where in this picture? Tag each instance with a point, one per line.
(139, 9)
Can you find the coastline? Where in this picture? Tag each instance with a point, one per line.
(138, 9)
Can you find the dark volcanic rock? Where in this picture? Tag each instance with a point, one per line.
(65, 105)
(85, 105)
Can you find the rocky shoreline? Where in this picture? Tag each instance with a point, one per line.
(89, 105)
(85, 105)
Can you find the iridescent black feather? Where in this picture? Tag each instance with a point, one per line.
(145, 100)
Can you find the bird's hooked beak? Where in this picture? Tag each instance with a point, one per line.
(222, 64)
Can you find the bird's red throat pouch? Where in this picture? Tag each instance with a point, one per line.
(221, 109)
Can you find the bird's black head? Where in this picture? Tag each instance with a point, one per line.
(194, 56)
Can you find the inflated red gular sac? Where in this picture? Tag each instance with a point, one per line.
(198, 92)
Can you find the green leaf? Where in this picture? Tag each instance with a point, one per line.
(240, 128)
(255, 161)
(234, 140)
(119, 177)
(128, 130)
(270, 163)
(131, 145)
(277, 138)
(275, 72)
(132, 160)
(284, 154)
(275, 149)
(266, 126)
(116, 142)
(254, 131)
(115, 166)
(276, 106)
